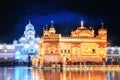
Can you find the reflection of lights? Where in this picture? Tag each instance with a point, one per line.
(35, 75)
(64, 75)
(108, 76)
(9, 77)
(89, 75)
(113, 74)
(17, 73)
(26, 73)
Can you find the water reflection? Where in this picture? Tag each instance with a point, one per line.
(27, 73)
(22, 73)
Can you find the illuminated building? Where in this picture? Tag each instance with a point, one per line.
(7, 52)
(113, 54)
(23, 49)
(81, 46)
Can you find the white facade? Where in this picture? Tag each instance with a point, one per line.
(23, 49)
(113, 50)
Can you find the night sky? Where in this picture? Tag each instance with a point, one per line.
(66, 14)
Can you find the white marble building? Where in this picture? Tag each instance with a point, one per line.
(23, 49)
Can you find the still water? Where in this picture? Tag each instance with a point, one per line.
(27, 73)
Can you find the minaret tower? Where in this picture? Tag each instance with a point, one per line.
(102, 33)
(52, 29)
(45, 31)
(82, 25)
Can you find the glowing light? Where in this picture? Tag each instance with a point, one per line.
(82, 23)
(84, 41)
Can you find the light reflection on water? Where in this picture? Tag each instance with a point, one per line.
(27, 73)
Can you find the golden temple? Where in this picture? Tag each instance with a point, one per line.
(81, 46)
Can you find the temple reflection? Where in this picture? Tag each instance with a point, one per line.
(69, 75)
(84, 75)
(27, 73)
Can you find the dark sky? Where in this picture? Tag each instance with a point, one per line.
(66, 14)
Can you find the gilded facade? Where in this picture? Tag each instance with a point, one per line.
(81, 46)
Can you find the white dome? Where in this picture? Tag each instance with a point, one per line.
(15, 41)
(29, 31)
(22, 40)
(29, 26)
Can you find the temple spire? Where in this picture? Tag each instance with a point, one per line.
(52, 22)
(46, 27)
(82, 23)
(29, 21)
(90, 28)
(102, 25)
(43, 28)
